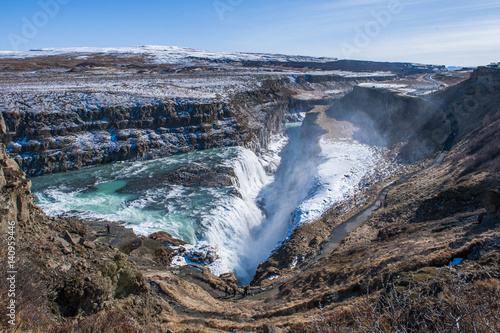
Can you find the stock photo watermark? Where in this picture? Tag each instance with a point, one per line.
(461, 110)
(32, 25)
(474, 100)
(363, 35)
(222, 7)
(11, 273)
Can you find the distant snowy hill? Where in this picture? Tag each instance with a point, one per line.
(164, 54)
(145, 57)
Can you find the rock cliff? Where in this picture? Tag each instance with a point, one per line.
(418, 128)
(424, 124)
(16, 199)
(60, 268)
(48, 130)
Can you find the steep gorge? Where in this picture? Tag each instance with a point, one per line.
(418, 128)
(404, 244)
(82, 281)
(57, 131)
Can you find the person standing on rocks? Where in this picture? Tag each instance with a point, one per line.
(108, 229)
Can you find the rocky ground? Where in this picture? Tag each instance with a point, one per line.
(392, 273)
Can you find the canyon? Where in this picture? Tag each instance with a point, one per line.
(60, 113)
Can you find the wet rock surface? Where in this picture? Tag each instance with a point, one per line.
(201, 175)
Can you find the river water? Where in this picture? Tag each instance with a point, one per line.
(244, 225)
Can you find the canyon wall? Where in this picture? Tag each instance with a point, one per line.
(424, 124)
(15, 196)
(463, 119)
(53, 130)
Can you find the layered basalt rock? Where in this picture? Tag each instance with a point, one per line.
(67, 114)
(47, 142)
(51, 131)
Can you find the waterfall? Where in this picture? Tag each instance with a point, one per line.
(233, 217)
(242, 223)
(289, 188)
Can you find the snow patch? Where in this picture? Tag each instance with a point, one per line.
(343, 165)
(203, 254)
(163, 54)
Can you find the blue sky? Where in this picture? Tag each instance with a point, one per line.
(458, 32)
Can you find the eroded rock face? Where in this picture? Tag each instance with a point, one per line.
(15, 196)
(51, 131)
(52, 123)
(203, 254)
(166, 238)
(47, 142)
(201, 175)
(388, 118)
(467, 112)
(74, 275)
(425, 125)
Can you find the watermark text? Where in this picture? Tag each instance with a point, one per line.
(381, 18)
(222, 7)
(11, 272)
(32, 25)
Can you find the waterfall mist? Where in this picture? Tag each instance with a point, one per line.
(278, 200)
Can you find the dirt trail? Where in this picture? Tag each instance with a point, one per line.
(342, 231)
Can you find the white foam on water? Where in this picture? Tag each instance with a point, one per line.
(312, 178)
(233, 217)
(198, 215)
(242, 224)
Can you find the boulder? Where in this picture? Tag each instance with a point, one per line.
(87, 244)
(63, 244)
(229, 278)
(70, 239)
(201, 254)
(166, 238)
(202, 175)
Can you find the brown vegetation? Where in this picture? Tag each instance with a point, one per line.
(444, 300)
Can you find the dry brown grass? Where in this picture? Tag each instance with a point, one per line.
(448, 302)
(482, 152)
(106, 322)
(30, 296)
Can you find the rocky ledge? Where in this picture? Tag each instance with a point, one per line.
(201, 175)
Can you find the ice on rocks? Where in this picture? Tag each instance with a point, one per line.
(203, 253)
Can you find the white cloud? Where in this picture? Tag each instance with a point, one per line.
(472, 44)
